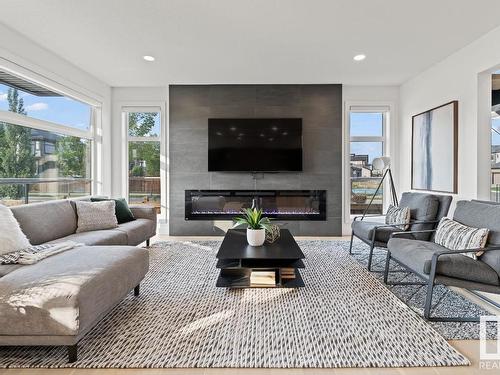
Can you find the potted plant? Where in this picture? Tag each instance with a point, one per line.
(256, 225)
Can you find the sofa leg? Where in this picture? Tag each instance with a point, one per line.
(72, 353)
(350, 246)
(137, 290)
(370, 256)
(147, 242)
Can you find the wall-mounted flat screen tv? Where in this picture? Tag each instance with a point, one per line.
(255, 145)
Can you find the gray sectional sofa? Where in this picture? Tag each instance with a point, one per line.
(59, 299)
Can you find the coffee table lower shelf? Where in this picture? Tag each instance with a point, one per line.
(240, 278)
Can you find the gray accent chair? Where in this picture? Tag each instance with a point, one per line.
(435, 264)
(426, 210)
(58, 300)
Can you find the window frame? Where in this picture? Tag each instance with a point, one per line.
(149, 107)
(386, 109)
(34, 123)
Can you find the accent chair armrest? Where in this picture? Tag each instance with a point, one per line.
(437, 254)
(401, 234)
(409, 223)
(361, 217)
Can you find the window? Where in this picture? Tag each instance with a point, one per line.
(45, 144)
(50, 107)
(367, 142)
(144, 130)
(495, 138)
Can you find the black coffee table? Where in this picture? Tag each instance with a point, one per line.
(237, 260)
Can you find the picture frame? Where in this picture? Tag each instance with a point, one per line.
(434, 149)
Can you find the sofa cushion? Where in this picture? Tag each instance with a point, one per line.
(482, 215)
(66, 293)
(97, 237)
(364, 229)
(122, 210)
(95, 215)
(46, 221)
(12, 237)
(137, 231)
(417, 255)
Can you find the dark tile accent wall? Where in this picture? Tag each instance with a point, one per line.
(319, 106)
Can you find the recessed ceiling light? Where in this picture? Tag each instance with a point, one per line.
(148, 58)
(360, 57)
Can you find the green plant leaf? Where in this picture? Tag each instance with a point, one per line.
(252, 218)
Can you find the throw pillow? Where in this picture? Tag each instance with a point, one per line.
(95, 215)
(398, 215)
(456, 236)
(12, 237)
(122, 210)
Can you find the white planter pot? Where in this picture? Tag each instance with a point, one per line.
(256, 237)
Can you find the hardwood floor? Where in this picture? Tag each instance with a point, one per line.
(470, 348)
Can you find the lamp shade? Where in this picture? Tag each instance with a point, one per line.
(381, 163)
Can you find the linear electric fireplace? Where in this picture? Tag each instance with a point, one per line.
(277, 204)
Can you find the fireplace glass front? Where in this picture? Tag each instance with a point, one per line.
(277, 204)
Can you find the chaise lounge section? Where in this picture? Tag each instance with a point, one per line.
(58, 300)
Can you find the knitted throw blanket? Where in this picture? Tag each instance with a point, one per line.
(34, 254)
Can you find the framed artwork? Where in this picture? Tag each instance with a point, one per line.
(434, 144)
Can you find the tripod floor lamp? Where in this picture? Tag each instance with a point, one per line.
(383, 164)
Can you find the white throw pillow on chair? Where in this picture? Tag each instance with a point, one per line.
(398, 215)
(12, 237)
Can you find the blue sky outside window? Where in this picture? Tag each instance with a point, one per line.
(57, 109)
(365, 124)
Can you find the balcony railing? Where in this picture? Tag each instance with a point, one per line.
(362, 190)
(495, 193)
(16, 191)
(145, 190)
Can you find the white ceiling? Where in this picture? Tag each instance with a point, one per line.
(251, 41)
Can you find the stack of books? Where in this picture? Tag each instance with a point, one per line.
(288, 273)
(263, 278)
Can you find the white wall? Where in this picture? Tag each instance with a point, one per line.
(24, 57)
(365, 96)
(463, 76)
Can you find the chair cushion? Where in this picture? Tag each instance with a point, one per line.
(66, 293)
(137, 231)
(97, 237)
(482, 215)
(423, 207)
(364, 230)
(417, 255)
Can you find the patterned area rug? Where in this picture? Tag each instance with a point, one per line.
(344, 317)
(445, 302)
